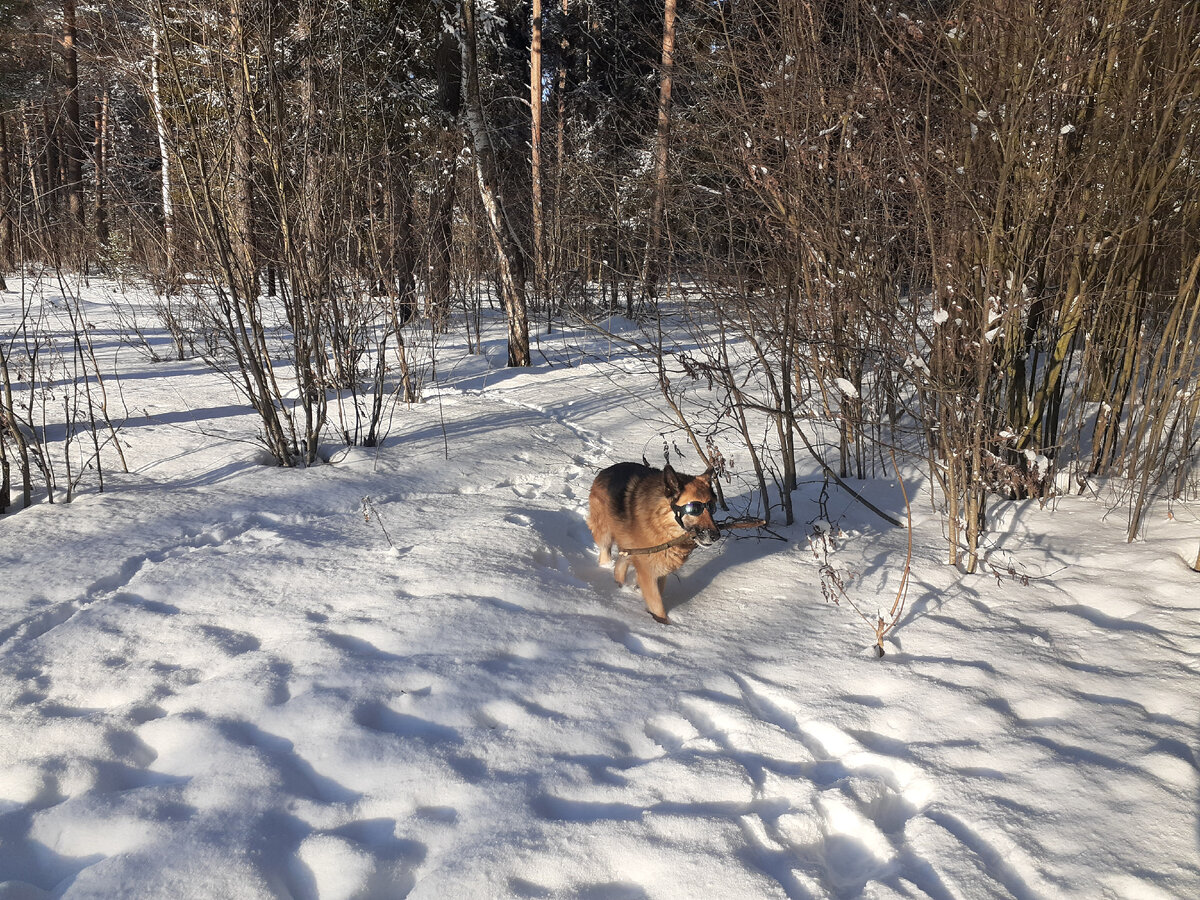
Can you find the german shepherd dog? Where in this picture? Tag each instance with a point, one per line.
(636, 507)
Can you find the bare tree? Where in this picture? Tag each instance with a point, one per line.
(509, 256)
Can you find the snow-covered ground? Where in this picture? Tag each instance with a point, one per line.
(220, 679)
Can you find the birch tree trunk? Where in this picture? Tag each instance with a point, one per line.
(509, 257)
(653, 265)
(160, 124)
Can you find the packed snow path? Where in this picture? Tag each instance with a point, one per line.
(222, 679)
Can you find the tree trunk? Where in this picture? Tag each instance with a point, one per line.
(309, 270)
(448, 62)
(74, 142)
(7, 231)
(556, 262)
(9, 420)
(37, 178)
(241, 212)
(401, 256)
(312, 199)
(51, 165)
(100, 152)
(508, 253)
(535, 143)
(160, 122)
(402, 259)
(653, 265)
(441, 244)
(5, 478)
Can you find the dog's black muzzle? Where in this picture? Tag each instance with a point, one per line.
(705, 537)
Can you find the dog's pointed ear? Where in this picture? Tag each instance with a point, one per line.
(671, 481)
(707, 474)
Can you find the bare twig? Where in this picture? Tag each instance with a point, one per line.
(368, 508)
(842, 484)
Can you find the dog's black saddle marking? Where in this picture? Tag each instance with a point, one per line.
(623, 479)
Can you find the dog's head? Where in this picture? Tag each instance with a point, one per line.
(693, 501)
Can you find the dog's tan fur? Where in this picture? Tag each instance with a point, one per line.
(630, 505)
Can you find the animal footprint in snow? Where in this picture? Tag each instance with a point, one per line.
(831, 743)
(671, 732)
(885, 791)
(550, 558)
(852, 849)
(503, 714)
(768, 703)
(643, 645)
(728, 725)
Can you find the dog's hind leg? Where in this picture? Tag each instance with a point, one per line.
(601, 529)
(604, 542)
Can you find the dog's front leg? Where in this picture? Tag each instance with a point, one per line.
(620, 570)
(652, 587)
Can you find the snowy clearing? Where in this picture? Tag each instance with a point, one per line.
(224, 679)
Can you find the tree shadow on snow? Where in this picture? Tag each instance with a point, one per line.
(716, 566)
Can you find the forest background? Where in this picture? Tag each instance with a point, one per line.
(965, 233)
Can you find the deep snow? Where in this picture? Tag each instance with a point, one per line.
(223, 679)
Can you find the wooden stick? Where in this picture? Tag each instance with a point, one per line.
(731, 524)
(674, 542)
(691, 535)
